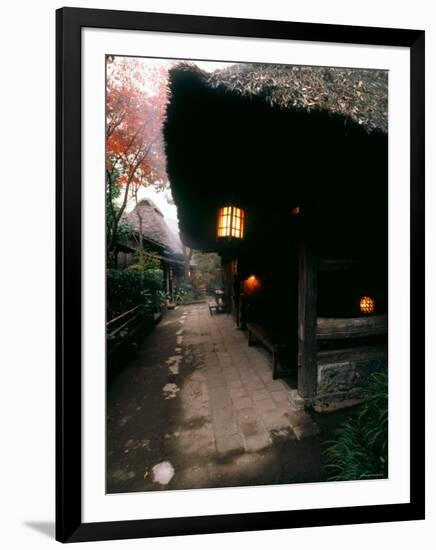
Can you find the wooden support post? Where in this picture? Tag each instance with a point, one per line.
(307, 301)
(226, 273)
(167, 278)
(171, 283)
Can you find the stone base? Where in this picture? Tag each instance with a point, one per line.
(296, 402)
(343, 375)
(301, 421)
(325, 403)
(329, 405)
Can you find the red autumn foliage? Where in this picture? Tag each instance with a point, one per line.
(136, 98)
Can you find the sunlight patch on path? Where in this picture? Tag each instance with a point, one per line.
(163, 473)
(170, 390)
(174, 363)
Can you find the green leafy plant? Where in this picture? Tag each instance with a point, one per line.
(129, 288)
(148, 300)
(360, 448)
(207, 274)
(144, 261)
(161, 298)
(187, 292)
(153, 279)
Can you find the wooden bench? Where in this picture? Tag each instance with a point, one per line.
(214, 307)
(260, 333)
(219, 305)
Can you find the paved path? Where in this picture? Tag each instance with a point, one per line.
(199, 408)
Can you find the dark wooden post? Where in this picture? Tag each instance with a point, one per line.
(166, 277)
(226, 273)
(307, 300)
(171, 283)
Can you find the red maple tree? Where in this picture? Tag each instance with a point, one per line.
(136, 97)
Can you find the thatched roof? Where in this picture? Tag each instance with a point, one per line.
(360, 94)
(271, 137)
(148, 219)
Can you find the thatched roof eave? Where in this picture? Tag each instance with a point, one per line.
(147, 219)
(266, 138)
(360, 95)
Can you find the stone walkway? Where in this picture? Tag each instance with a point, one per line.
(199, 408)
(234, 390)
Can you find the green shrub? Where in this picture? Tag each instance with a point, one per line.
(153, 279)
(127, 288)
(360, 448)
(187, 292)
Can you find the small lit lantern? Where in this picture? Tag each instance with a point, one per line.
(252, 285)
(367, 305)
(230, 222)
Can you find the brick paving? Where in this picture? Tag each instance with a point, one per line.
(247, 410)
(243, 411)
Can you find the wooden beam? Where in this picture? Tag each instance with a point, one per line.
(307, 301)
(354, 327)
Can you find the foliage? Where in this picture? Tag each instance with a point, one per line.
(145, 262)
(153, 279)
(128, 288)
(360, 448)
(207, 261)
(186, 292)
(136, 97)
(121, 233)
(204, 278)
(207, 274)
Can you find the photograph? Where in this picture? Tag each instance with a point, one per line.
(246, 274)
(223, 250)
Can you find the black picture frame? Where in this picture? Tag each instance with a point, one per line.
(69, 525)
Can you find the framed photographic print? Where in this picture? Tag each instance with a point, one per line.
(240, 274)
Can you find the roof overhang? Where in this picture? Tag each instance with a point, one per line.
(223, 146)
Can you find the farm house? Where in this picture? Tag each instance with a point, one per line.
(282, 170)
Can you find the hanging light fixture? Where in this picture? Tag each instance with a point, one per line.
(251, 285)
(231, 222)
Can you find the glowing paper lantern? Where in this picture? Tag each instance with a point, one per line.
(367, 305)
(252, 285)
(230, 223)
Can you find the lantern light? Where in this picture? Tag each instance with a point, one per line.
(231, 222)
(367, 305)
(252, 285)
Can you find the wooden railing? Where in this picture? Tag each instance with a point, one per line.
(126, 319)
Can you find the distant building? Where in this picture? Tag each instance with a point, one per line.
(153, 236)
